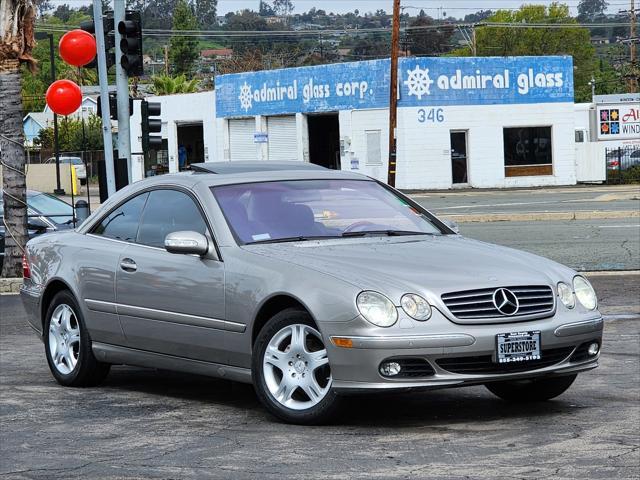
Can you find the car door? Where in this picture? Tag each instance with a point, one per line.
(96, 259)
(171, 303)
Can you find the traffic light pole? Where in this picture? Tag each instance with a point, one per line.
(122, 90)
(104, 97)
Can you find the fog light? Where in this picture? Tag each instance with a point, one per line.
(390, 369)
(593, 349)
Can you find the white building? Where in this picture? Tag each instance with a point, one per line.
(188, 120)
(480, 122)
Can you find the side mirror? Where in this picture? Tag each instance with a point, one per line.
(452, 225)
(187, 243)
(37, 225)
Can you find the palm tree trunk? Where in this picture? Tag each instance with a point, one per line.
(16, 42)
(13, 163)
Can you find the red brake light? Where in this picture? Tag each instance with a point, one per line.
(26, 268)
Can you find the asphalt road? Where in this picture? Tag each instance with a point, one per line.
(580, 198)
(585, 245)
(150, 424)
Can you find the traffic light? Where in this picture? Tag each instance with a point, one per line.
(113, 106)
(151, 125)
(131, 44)
(109, 39)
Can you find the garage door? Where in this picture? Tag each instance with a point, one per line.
(282, 138)
(241, 146)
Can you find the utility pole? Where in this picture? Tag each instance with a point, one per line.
(632, 77)
(56, 144)
(393, 94)
(104, 97)
(166, 60)
(474, 41)
(122, 91)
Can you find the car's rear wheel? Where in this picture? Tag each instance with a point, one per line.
(531, 390)
(68, 345)
(291, 371)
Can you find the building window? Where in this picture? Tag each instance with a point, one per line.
(374, 155)
(527, 151)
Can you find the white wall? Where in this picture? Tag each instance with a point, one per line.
(424, 149)
(177, 109)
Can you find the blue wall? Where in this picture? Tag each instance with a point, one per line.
(423, 82)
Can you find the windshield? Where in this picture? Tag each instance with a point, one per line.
(310, 209)
(51, 207)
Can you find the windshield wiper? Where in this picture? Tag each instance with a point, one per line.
(299, 238)
(390, 233)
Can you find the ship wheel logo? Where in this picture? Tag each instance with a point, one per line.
(246, 99)
(418, 82)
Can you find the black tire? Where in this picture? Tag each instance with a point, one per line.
(532, 390)
(87, 372)
(320, 413)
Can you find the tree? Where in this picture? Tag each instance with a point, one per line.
(283, 8)
(591, 9)
(206, 13)
(429, 41)
(168, 85)
(63, 12)
(572, 40)
(183, 50)
(266, 10)
(17, 21)
(71, 136)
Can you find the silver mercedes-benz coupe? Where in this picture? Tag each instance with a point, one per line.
(310, 284)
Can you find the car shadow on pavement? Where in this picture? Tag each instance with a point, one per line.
(450, 406)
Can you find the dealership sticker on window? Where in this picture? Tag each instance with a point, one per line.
(261, 236)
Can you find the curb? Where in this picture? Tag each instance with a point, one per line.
(541, 216)
(10, 286)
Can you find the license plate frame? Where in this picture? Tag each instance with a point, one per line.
(523, 352)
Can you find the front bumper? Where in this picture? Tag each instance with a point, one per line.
(455, 355)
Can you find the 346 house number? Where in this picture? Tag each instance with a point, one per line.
(431, 115)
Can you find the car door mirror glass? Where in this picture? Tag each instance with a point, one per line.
(188, 243)
(36, 224)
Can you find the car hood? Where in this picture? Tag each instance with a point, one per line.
(430, 265)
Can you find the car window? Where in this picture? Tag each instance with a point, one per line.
(53, 208)
(122, 223)
(269, 211)
(168, 211)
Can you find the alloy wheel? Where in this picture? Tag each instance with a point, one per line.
(64, 339)
(296, 367)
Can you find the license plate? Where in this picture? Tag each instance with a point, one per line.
(518, 347)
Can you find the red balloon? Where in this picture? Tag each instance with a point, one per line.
(77, 47)
(64, 97)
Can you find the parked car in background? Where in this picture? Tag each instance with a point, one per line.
(47, 213)
(78, 164)
(309, 284)
(627, 157)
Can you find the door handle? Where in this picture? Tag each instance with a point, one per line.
(128, 265)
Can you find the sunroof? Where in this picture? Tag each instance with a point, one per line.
(222, 168)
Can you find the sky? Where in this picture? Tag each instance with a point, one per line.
(455, 8)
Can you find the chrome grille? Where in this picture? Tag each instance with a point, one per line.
(533, 300)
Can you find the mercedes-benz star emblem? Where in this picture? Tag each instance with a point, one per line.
(506, 301)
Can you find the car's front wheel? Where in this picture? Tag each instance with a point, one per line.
(531, 390)
(291, 371)
(68, 345)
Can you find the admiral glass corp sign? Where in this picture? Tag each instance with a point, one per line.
(422, 82)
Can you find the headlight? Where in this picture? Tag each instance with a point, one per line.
(566, 295)
(585, 293)
(416, 307)
(377, 309)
